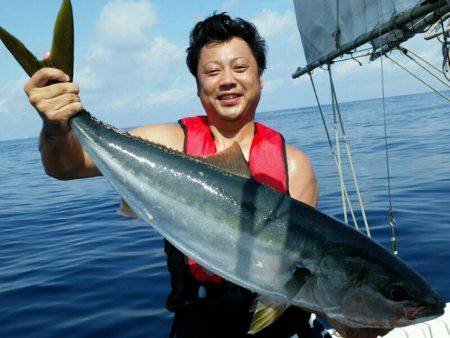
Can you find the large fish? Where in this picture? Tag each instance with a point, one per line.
(246, 232)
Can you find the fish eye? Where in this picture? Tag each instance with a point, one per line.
(397, 293)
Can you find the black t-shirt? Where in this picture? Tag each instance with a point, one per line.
(225, 309)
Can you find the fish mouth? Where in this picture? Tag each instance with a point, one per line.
(424, 312)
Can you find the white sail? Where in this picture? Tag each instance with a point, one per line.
(325, 25)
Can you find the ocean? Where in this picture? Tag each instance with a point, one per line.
(71, 266)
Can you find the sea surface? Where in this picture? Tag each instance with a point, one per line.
(71, 266)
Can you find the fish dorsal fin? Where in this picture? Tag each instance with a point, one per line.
(231, 160)
(266, 312)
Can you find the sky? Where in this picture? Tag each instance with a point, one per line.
(130, 60)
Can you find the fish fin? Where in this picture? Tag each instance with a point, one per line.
(61, 55)
(297, 280)
(231, 160)
(266, 312)
(125, 210)
(23, 56)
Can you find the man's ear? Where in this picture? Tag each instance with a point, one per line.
(198, 87)
(261, 80)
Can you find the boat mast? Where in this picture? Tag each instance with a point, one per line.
(398, 21)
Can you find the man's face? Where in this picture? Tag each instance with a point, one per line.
(229, 83)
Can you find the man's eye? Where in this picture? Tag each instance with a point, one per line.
(240, 69)
(212, 72)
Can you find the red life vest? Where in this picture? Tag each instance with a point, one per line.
(267, 160)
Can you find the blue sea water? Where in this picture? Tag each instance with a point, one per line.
(71, 266)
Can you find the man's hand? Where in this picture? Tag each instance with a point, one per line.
(56, 102)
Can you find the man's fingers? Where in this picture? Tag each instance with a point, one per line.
(52, 91)
(43, 76)
(56, 103)
(50, 106)
(67, 111)
(60, 89)
(46, 55)
(62, 115)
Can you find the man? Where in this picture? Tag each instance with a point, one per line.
(227, 59)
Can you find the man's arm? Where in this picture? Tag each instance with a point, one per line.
(62, 155)
(302, 181)
(169, 135)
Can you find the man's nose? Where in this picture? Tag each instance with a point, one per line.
(228, 80)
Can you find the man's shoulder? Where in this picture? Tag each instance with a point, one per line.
(296, 157)
(302, 181)
(170, 135)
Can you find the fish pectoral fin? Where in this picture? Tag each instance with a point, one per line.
(231, 160)
(266, 312)
(125, 210)
(297, 280)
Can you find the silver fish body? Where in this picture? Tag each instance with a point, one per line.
(257, 237)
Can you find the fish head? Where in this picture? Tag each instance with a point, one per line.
(387, 294)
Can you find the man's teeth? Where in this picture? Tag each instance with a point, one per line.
(228, 97)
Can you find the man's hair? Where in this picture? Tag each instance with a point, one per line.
(221, 28)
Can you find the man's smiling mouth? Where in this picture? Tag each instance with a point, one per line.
(229, 98)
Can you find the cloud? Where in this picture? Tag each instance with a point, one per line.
(124, 24)
(89, 80)
(171, 95)
(228, 5)
(99, 53)
(273, 85)
(124, 56)
(105, 69)
(12, 93)
(342, 69)
(160, 54)
(271, 24)
(21, 119)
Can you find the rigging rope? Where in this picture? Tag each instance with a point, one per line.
(406, 52)
(445, 52)
(353, 57)
(419, 79)
(409, 51)
(391, 217)
(333, 154)
(339, 159)
(347, 148)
